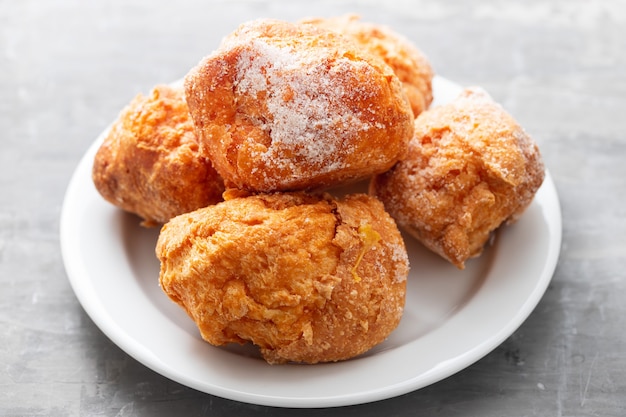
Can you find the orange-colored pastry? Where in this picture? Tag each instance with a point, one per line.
(150, 162)
(283, 106)
(407, 61)
(470, 168)
(306, 278)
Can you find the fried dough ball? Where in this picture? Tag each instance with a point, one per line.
(306, 278)
(283, 107)
(470, 168)
(150, 162)
(409, 63)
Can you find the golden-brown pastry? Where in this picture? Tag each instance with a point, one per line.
(407, 61)
(150, 162)
(470, 168)
(283, 106)
(306, 278)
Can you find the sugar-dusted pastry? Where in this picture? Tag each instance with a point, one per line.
(306, 278)
(150, 162)
(470, 168)
(407, 61)
(283, 106)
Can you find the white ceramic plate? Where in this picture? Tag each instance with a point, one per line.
(452, 318)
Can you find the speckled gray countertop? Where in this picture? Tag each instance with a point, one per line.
(67, 67)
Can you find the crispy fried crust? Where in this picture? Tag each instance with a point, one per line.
(150, 163)
(305, 278)
(470, 168)
(282, 106)
(407, 61)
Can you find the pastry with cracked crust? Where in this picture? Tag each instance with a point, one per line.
(407, 61)
(283, 106)
(470, 168)
(150, 162)
(306, 278)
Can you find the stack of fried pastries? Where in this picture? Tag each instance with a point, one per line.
(241, 163)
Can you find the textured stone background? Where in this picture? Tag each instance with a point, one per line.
(68, 66)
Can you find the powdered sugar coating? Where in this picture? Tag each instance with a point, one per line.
(284, 106)
(407, 61)
(469, 169)
(315, 109)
